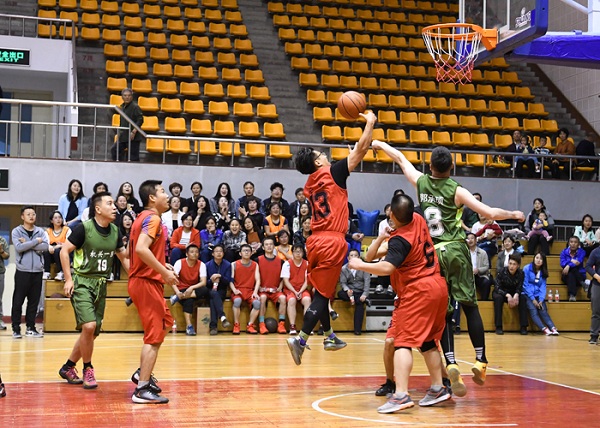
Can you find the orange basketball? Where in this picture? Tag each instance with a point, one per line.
(351, 103)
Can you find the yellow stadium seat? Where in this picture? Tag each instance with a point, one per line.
(170, 105)
(536, 109)
(116, 100)
(352, 52)
(449, 121)
(107, 20)
(331, 133)
(180, 147)
(250, 130)
(273, 130)
(349, 82)
(90, 34)
(517, 107)
(523, 92)
(549, 125)
(148, 104)
(152, 10)
(510, 123)
(89, 5)
(387, 117)
(193, 106)
(214, 90)
(323, 114)
(313, 49)
(339, 153)
(438, 103)
(476, 160)
(260, 93)
(281, 21)
(162, 70)
(280, 151)
(175, 125)
(389, 85)
(159, 54)
(468, 90)
(141, 86)
(176, 26)
(490, 123)
(254, 76)
(380, 69)
(315, 96)
(111, 36)
(157, 39)
(498, 107)
(418, 103)
(137, 68)
(250, 149)
(333, 96)
(217, 28)
(360, 67)
(409, 118)
(492, 76)
(408, 85)
(204, 57)
(237, 92)
(222, 43)
(218, 108)
(133, 52)
(469, 122)
(172, 11)
(115, 67)
(202, 127)
(332, 51)
(504, 91)
(448, 88)
(181, 55)
(441, 138)
(179, 40)
(379, 134)
(510, 77)
(111, 50)
(378, 100)
(201, 42)
(150, 124)
(224, 128)
(243, 109)
(243, 45)
(462, 139)
(130, 8)
(231, 74)
(481, 141)
(369, 84)
(396, 136)
(428, 119)
(502, 141)
(398, 101)
(154, 24)
(249, 60)
(229, 149)
(156, 145)
(412, 157)
(208, 73)
(476, 105)
(105, 6)
(195, 27)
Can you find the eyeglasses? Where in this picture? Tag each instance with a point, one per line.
(321, 154)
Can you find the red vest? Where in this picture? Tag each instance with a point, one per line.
(189, 275)
(270, 271)
(298, 274)
(244, 275)
(329, 202)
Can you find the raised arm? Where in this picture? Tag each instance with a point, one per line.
(408, 169)
(464, 197)
(359, 151)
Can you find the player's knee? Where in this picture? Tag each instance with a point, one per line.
(237, 303)
(263, 298)
(292, 302)
(256, 305)
(88, 327)
(389, 343)
(428, 346)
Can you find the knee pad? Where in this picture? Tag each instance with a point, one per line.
(237, 302)
(256, 304)
(427, 346)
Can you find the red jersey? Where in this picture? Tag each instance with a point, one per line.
(329, 202)
(298, 274)
(420, 260)
(189, 275)
(270, 271)
(244, 275)
(147, 223)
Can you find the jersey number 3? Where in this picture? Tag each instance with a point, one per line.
(320, 205)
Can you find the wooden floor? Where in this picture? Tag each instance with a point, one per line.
(228, 381)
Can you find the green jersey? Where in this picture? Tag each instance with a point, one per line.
(94, 257)
(436, 198)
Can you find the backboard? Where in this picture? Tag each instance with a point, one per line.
(517, 21)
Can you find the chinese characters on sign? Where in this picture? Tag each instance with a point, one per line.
(14, 56)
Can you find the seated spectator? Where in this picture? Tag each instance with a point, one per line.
(355, 289)
(182, 237)
(385, 223)
(487, 233)
(481, 268)
(509, 289)
(172, 218)
(244, 288)
(192, 202)
(57, 234)
(593, 269)
(223, 191)
(209, 237)
(515, 147)
(302, 235)
(201, 213)
(535, 240)
(125, 223)
(469, 217)
(241, 206)
(540, 227)
(534, 288)
(223, 215)
(233, 240)
(586, 235)
(573, 273)
(295, 280)
(219, 279)
(271, 286)
(565, 146)
(121, 204)
(252, 211)
(508, 249)
(133, 204)
(275, 221)
(276, 196)
(284, 248)
(294, 209)
(354, 237)
(175, 189)
(192, 284)
(587, 148)
(541, 150)
(303, 211)
(99, 187)
(72, 203)
(254, 237)
(525, 159)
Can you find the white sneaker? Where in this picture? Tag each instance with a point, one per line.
(46, 275)
(59, 276)
(111, 278)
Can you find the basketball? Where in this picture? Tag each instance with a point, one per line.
(351, 103)
(271, 324)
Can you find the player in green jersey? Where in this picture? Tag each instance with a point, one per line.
(94, 242)
(442, 200)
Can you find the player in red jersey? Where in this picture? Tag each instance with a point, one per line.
(147, 274)
(420, 316)
(326, 191)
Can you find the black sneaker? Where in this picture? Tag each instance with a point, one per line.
(386, 389)
(146, 395)
(499, 332)
(524, 331)
(447, 384)
(32, 332)
(128, 302)
(334, 315)
(334, 344)
(135, 378)
(593, 340)
(2, 390)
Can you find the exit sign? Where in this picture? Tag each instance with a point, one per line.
(14, 56)
(3, 179)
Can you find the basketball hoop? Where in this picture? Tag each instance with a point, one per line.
(454, 49)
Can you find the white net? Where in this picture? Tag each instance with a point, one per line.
(454, 48)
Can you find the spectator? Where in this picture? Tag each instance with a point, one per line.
(192, 284)
(224, 190)
(175, 189)
(573, 273)
(302, 235)
(469, 217)
(244, 288)
(192, 202)
(182, 237)
(303, 212)
(133, 204)
(121, 204)
(223, 215)
(541, 150)
(385, 223)
(99, 187)
(508, 245)
(128, 139)
(586, 235)
(534, 288)
(271, 286)
(295, 281)
(515, 147)
(284, 249)
(509, 289)
(294, 209)
(254, 237)
(487, 233)
(4, 254)
(481, 268)
(252, 211)
(540, 227)
(276, 196)
(172, 218)
(125, 223)
(209, 237)
(275, 221)
(30, 242)
(241, 205)
(565, 146)
(355, 289)
(534, 241)
(587, 148)
(233, 240)
(354, 237)
(72, 203)
(218, 274)
(56, 236)
(593, 269)
(201, 213)
(525, 159)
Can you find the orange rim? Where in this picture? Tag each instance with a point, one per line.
(489, 37)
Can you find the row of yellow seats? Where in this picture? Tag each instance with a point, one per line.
(362, 67)
(323, 37)
(206, 127)
(177, 40)
(132, 8)
(354, 52)
(348, 12)
(220, 108)
(209, 148)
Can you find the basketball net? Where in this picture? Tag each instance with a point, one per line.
(454, 49)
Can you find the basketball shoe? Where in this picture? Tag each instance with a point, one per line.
(146, 395)
(396, 403)
(70, 375)
(135, 378)
(89, 380)
(32, 332)
(2, 389)
(458, 386)
(296, 349)
(334, 344)
(281, 328)
(479, 369)
(293, 331)
(263, 328)
(386, 389)
(433, 397)
(250, 329)
(236, 328)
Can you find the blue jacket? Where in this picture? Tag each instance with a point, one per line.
(224, 269)
(534, 288)
(565, 259)
(207, 239)
(63, 206)
(29, 253)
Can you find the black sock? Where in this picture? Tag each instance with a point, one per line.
(448, 341)
(476, 332)
(70, 364)
(87, 365)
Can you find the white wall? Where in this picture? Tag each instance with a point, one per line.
(580, 86)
